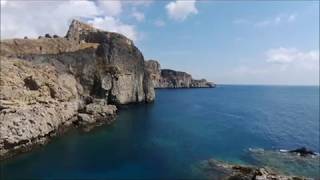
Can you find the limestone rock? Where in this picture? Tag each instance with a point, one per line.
(154, 70)
(35, 101)
(50, 84)
(167, 78)
(107, 65)
(46, 84)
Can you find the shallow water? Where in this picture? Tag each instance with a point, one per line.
(181, 128)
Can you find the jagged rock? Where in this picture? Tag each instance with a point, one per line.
(56, 36)
(214, 169)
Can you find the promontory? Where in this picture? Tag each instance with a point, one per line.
(53, 83)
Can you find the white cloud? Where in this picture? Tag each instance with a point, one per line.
(180, 10)
(139, 16)
(281, 66)
(282, 18)
(110, 8)
(139, 2)
(34, 18)
(277, 20)
(114, 25)
(288, 55)
(159, 23)
(21, 18)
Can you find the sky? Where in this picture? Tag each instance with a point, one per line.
(226, 42)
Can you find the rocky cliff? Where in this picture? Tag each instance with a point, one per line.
(167, 78)
(50, 84)
(107, 65)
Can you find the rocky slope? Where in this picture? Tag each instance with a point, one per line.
(167, 78)
(50, 84)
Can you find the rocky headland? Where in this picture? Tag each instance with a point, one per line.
(53, 83)
(167, 78)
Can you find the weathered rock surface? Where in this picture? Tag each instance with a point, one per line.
(167, 78)
(35, 103)
(51, 84)
(214, 169)
(107, 65)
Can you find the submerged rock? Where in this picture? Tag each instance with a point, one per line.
(289, 163)
(303, 151)
(213, 169)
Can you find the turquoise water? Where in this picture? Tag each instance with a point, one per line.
(181, 128)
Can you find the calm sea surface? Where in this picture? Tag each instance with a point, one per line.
(181, 128)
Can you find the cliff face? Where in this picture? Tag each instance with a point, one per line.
(50, 84)
(107, 65)
(37, 102)
(167, 78)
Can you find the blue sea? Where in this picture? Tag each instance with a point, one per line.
(183, 127)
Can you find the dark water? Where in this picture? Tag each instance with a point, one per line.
(182, 127)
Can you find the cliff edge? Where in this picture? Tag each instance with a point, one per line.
(51, 84)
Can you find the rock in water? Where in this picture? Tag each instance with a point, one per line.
(303, 151)
(287, 162)
(213, 169)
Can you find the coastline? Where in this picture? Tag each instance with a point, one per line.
(76, 80)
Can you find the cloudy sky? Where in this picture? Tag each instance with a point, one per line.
(228, 42)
